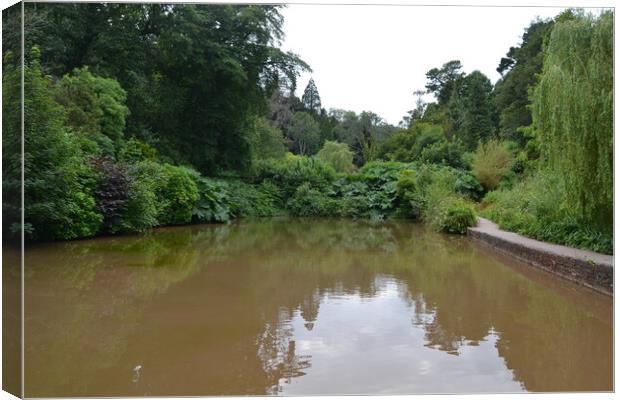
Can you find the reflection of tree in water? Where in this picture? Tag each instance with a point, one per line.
(460, 297)
(237, 287)
(277, 351)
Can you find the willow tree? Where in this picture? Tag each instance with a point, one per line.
(573, 112)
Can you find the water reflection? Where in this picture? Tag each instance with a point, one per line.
(303, 307)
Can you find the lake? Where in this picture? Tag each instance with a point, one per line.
(304, 306)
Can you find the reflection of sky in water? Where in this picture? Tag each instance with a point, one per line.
(315, 306)
(372, 345)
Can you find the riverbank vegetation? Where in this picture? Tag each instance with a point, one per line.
(139, 116)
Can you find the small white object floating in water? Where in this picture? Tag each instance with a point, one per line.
(136, 373)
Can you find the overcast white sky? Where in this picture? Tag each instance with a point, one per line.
(374, 57)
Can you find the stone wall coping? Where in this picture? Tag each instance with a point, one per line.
(587, 268)
(492, 229)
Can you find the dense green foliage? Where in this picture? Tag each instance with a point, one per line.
(95, 110)
(573, 113)
(266, 140)
(519, 69)
(492, 162)
(59, 184)
(143, 115)
(304, 131)
(569, 198)
(195, 76)
(424, 142)
(338, 155)
(537, 207)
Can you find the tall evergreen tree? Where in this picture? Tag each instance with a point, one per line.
(519, 70)
(478, 110)
(311, 99)
(442, 82)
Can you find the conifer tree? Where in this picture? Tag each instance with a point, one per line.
(311, 99)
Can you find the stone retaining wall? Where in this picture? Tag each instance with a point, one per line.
(589, 269)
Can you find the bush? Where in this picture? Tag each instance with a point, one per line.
(338, 155)
(135, 150)
(454, 215)
(58, 183)
(95, 108)
(143, 207)
(293, 171)
(443, 153)
(491, 163)
(214, 201)
(263, 200)
(308, 202)
(112, 192)
(179, 194)
(537, 207)
(410, 200)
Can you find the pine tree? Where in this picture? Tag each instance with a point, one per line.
(311, 99)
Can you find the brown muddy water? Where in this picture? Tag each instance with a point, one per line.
(304, 306)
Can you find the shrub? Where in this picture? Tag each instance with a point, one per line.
(179, 193)
(454, 215)
(491, 162)
(214, 201)
(263, 200)
(307, 202)
(381, 172)
(293, 171)
(338, 155)
(58, 183)
(112, 192)
(467, 185)
(410, 200)
(143, 207)
(95, 107)
(353, 206)
(443, 153)
(537, 207)
(135, 150)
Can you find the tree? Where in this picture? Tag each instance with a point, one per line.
(417, 114)
(338, 155)
(572, 112)
(311, 99)
(442, 82)
(407, 145)
(95, 108)
(266, 140)
(304, 133)
(196, 76)
(519, 70)
(478, 110)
